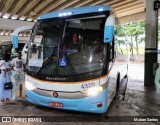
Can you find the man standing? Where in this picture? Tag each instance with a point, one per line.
(18, 66)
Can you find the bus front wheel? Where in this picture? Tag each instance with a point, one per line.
(118, 81)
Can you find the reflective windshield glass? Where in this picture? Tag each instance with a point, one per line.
(84, 50)
(44, 44)
(70, 53)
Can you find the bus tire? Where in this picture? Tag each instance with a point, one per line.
(118, 81)
(126, 76)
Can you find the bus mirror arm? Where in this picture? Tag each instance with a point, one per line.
(112, 53)
(16, 32)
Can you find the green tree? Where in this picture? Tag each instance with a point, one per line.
(119, 37)
(133, 31)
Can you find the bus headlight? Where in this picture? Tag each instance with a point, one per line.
(29, 85)
(93, 91)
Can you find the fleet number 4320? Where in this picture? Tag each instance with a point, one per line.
(87, 85)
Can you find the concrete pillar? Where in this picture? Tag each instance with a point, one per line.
(150, 43)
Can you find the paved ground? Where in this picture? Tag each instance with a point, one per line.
(139, 101)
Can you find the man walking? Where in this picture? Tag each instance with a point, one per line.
(18, 73)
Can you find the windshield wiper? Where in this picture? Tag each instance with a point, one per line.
(71, 67)
(47, 61)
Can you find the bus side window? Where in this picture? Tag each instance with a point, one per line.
(112, 52)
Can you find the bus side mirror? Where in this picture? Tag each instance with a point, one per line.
(15, 41)
(109, 29)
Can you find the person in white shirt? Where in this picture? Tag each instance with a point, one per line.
(18, 73)
(157, 78)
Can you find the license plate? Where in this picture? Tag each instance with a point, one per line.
(56, 104)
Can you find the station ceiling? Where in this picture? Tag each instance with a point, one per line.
(14, 13)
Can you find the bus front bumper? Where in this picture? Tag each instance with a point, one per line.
(88, 104)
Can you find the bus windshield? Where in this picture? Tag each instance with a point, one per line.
(69, 50)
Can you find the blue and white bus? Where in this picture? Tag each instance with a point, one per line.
(73, 64)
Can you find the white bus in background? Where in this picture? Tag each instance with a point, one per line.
(7, 47)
